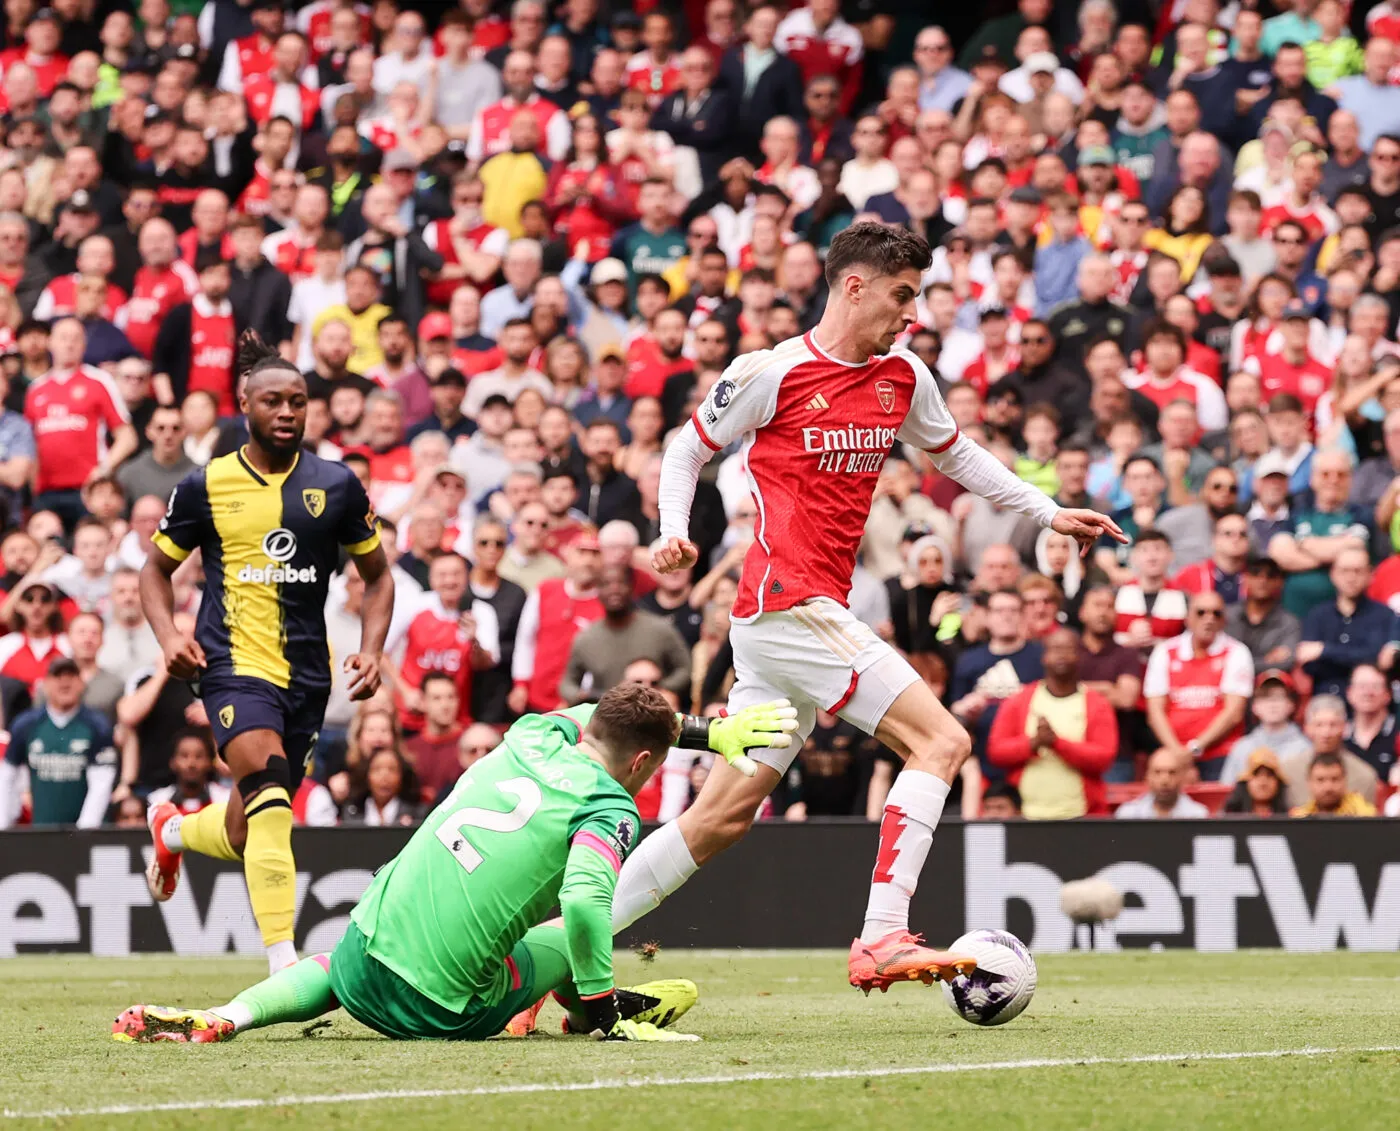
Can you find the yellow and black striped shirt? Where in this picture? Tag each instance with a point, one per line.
(270, 544)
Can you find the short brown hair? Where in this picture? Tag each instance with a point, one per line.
(631, 717)
(885, 249)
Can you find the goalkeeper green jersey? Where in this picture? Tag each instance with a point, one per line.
(533, 824)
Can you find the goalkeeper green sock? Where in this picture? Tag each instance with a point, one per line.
(300, 992)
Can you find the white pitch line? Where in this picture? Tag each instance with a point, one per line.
(678, 1082)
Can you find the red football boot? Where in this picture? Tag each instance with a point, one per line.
(901, 957)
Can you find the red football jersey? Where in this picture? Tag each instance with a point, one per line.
(435, 643)
(60, 299)
(73, 412)
(1307, 381)
(485, 238)
(155, 294)
(1195, 686)
(655, 80)
(291, 252)
(27, 660)
(816, 433)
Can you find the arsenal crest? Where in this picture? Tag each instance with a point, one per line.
(315, 500)
(884, 392)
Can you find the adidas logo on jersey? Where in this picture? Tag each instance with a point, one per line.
(817, 404)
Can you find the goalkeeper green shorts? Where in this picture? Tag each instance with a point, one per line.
(375, 996)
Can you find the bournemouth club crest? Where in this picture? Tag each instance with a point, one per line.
(884, 392)
(315, 500)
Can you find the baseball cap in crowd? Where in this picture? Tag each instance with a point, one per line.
(1262, 563)
(1274, 126)
(64, 665)
(990, 55)
(1041, 63)
(399, 159)
(627, 19)
(184, 52)
(609, 270)
(1270, 463)
(1296, 309)
(155, 116)
(448, 469)
(449, 376)
(991, 312)
(495, 400)
(435, 325)
(1264, 759)
(1027, 194)
(81, 201)
(1096, 155)
(46, 14)
(1279, 676)
(611, 352)
(44, 585)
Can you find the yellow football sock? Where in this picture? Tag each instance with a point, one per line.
(204, 832)
(268, 866)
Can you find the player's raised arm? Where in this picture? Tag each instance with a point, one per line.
(931, 426)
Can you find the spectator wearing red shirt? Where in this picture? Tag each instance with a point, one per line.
(390, 460)
(283, 90)
(209, 227)
(35, 632)
(293, 250)
(163, 282)
(1148, 610)
(1056, 738)
(453, 633)
(553, 615)
(1180, 311)
(82, 429)
(471, 249)
(1293, 370)
(820, 42)
(197, 344)
(58, 299)
(40, 51)
(253, 54)
(1197, 687)
(655, 356)
(1223, 571)
(656, 72)
(1302, 202)
(490, 133)
(434, 748)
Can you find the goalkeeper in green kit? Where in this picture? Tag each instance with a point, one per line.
(445, 943)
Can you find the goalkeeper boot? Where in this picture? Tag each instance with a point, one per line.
(163, 872)
(149, 1023)
(901, 957)
(523, 1023)
(654, 1003)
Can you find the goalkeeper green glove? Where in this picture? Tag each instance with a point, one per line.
(768, 725)
(641, 1031)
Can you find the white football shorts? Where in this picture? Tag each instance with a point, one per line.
(819, 656)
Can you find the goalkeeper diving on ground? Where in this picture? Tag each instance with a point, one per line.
(447, 941)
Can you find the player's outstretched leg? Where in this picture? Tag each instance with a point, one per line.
(934, 747)
(301, 992)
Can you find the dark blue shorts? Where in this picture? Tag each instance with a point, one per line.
(235, 703)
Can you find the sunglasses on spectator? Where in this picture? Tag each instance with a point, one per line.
(1210, 612)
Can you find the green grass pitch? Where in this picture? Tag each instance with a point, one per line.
(1132, 1040)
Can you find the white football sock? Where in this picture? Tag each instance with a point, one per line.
(283, 954)
(170, 834)
(237, 1012)
(658, 867)
(912, 810)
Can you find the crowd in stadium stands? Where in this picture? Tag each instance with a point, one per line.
(512, 246)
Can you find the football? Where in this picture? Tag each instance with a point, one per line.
(1003, 983)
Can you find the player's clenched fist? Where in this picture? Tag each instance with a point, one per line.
(184, 658)
(673, 554)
